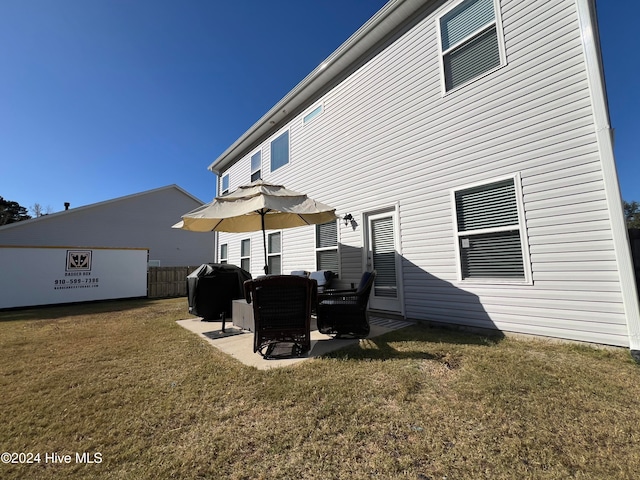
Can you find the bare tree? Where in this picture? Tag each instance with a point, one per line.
(38, 210)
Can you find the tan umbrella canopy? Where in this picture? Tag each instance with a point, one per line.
(258, 206)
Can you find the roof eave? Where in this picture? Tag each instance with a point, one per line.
(381, 25)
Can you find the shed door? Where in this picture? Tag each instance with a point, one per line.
(382, 256)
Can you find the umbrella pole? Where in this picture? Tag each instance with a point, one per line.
(264, 243)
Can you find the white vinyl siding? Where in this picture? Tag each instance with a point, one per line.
(470, 41)
(245, 254)
(274, 253)
(490, 233)
(327, 247)
(533, 116)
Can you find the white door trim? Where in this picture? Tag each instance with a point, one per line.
(396, 305)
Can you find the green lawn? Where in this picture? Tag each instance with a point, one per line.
(124, 381)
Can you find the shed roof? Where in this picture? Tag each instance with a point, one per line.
(98, 204)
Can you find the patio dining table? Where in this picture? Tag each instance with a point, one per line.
(242, 312)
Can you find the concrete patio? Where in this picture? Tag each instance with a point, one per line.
(239, 343)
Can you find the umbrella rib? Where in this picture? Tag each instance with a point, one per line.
(216, 225)
(303, 219)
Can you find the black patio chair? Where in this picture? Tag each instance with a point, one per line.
(282, 314)
(324, 279)
(344, 312)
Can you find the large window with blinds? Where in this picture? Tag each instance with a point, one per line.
(471, 41)
(327, 247)
(280, 151)
(490, 232)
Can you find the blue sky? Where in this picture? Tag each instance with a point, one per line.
(105, 98)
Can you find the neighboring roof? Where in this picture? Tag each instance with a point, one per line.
(386, 22)
(93, 205)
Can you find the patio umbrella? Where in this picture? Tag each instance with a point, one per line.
(258, 206)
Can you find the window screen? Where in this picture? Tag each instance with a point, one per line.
(225, 184)
(256, 166)
(469, 42)
(280, 151)
(224, 253)
(245, 255)
(312, 114)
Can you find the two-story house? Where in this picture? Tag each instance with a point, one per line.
(469, 143)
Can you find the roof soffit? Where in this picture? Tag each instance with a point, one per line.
(389, 22)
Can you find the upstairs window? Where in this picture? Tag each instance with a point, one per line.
(280, 151)
(312, 114)
(490, 232)
(274, 253)
(225, 184)
(256, 166)
(470, 42)
(224, 253)
(327, 247)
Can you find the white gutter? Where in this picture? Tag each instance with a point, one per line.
(382, 24)
(604, 134)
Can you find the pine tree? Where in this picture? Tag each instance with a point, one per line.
(632, 214)
(11, 212)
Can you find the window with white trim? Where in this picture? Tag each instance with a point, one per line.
(327, 247)
(470, 41)
(312, 114)
(256, 166)
(491, 238)
(280, 151)
(245, 254)
(274, 253)
(224, 188)
(224, 253)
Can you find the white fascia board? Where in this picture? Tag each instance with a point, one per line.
(593, 59)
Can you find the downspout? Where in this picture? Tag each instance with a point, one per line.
(604, 135)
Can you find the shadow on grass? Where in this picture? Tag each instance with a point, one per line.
(419, 342)
(52, 312)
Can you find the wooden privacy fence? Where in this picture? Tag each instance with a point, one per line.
(634, 239)
(168, 281)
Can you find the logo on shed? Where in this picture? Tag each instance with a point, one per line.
(78, 260)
